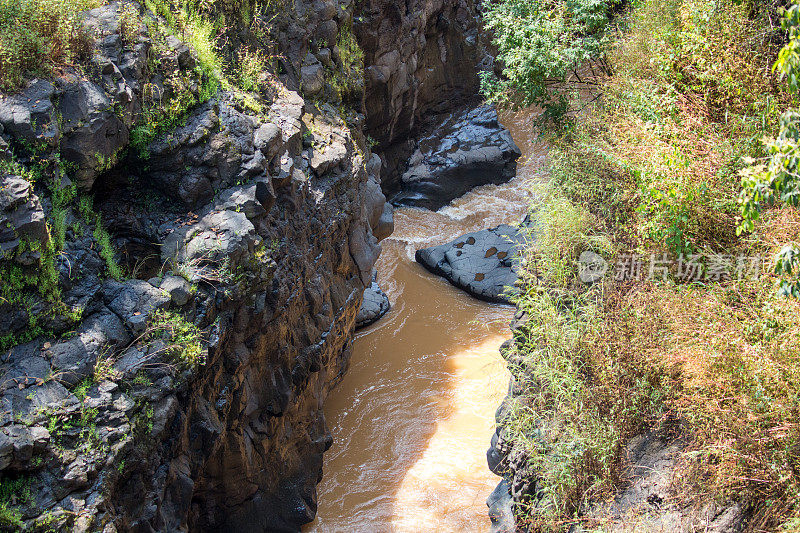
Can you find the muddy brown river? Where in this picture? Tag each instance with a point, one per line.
(412, 419)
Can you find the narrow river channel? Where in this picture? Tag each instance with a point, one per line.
(411, 421)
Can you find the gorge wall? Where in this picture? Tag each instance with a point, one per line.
(185, 391)
(422, 59)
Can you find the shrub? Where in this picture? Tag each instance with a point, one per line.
(37, 36)
(252, 66)
(585, 392)
(776, 178)
(348, 79)
(184, 340)
(541, 45)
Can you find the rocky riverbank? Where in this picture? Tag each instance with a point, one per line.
(183, 389)
(645, 501)
(453, 154)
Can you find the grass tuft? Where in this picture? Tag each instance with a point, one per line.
(184, 340)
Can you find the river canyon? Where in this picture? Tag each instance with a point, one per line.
(283, 266)
(411, 419)
(184, 263)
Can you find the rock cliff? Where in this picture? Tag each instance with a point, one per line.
(182, 389)
(422, 58)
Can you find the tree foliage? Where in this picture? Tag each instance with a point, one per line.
(541, 45)
(777, 179)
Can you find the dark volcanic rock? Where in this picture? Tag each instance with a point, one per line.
(500, 509)
(482, 263)
(21, 215)
(373, 307)
(30, 116)
(380, 212)
(460, 151)
(258, 229)
(420, 57)
(87, 120)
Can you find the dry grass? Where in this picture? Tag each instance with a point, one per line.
(736, 351)
(654, 164)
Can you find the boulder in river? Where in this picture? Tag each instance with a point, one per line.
(461, 151)
(373, 307)
(482, 263)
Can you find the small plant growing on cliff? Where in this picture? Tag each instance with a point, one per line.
(252, 64)
(141, 380)
(10, 518)
(13, 491)
(82, 389)
(107, 250)
(183, 339)
(100, 234)
(104, 370)
(129, 23)
(348, 79)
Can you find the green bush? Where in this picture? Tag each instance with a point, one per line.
(38, 35)
(541, 44)
(775, 179)
(348, 80)
(184, 340)
(12, 491)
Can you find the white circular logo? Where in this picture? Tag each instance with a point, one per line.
(591, 267)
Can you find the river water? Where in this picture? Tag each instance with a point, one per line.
(412, 418)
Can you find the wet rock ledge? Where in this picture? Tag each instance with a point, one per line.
(455, 153)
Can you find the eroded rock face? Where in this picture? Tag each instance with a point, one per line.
(421, 58)
(482, 263)
(247, 449)
(456, 153)
(21, 217)
(88, 120)
(264, 231)
(373, 307)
